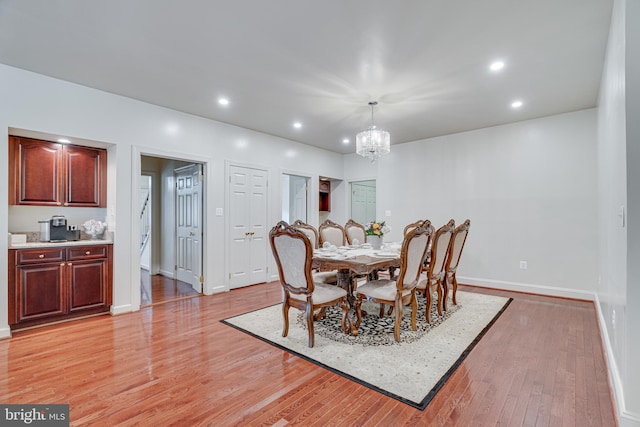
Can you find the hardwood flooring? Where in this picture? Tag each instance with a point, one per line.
(158, 289)
(541, 364)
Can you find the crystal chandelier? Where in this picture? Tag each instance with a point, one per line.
(373, 143)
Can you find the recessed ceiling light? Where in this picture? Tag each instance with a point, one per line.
(496, 66)
(63, 141)
(345, 141)
(223, 101)
(297, 125)
(516, 104)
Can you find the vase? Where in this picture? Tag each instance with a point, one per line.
(375, 241)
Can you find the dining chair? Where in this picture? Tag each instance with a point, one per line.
(435, 274)
(355, 231)
(402, 290)
(293, 253)
(458, 240)
(412, 226)
(331, 232)
(310, 231)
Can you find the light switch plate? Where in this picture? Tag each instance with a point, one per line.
(218, 211)
(387, 213)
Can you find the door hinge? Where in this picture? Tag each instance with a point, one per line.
(175, 267)
(229, 275)
(201, 279)
(201, 176)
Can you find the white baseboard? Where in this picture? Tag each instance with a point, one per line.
(121, 309)
(626, 419)
(145, 267)
(214, 289)
(528, 288)
(167, 273)
(5, 332)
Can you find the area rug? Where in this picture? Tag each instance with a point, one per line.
(411, 371)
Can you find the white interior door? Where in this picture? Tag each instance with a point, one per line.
(248, 226)
(363, 201)
(189, 225)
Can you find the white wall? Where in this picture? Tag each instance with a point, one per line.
(529, 189)
(618, 291)
(131, 128)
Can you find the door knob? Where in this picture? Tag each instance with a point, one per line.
(191, 233)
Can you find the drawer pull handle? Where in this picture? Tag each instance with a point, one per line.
(59, 204)
(41, 256)
(88, 253)
(69, 264)
(62, 264)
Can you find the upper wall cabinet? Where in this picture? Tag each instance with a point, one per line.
(44, 173)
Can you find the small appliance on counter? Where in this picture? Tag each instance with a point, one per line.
(57, 231)
(45, 227)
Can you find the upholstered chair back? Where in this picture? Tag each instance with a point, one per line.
(412, 255)
(293, 253)
(439, 249)
(457, 244)
(309, 230)
(331, 232)
(353, 231)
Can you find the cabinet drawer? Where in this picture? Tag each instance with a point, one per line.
(35, 256)
(86, 252)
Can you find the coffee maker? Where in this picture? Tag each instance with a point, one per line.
(58, 228)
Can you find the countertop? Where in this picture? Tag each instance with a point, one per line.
(30, 245)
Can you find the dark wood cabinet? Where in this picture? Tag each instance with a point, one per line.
(52, 284)
(325, 196)
(45, 173)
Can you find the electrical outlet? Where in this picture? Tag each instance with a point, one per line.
(523, 265)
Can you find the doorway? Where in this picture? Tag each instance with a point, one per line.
(363, 201)
(161, 280)
(248, 195)
(295, 190)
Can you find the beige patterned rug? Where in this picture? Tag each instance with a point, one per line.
(429, 356)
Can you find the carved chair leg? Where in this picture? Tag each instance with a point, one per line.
(390, 310)
(439, 288)
(414, 310)
(285, 316)
(445, 293)
(429, 302)
(454, 288)
(309, 316)
(396, 326)
(381, 314)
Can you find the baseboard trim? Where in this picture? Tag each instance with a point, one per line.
(121, 309)
(625, 418)
(214, 290)
(5, 332)
(167, 273)
(528, 288)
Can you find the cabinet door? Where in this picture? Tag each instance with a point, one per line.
(85, 169)
(41, 291)
(35, 176)
(88, 284)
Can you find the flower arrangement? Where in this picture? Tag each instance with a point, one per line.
(93, 227)
(377, 228)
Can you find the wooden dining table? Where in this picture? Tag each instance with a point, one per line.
(350, 263)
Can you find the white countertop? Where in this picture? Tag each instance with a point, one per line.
(29, 245)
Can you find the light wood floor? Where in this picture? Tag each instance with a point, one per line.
(175, 364)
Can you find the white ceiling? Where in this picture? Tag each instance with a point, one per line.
(321, 61)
